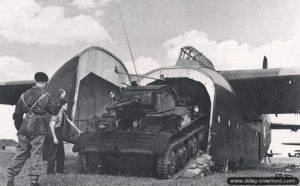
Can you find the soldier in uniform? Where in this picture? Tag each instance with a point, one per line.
(30, 146)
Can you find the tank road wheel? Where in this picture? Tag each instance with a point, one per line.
(182, 155)
(193, 147)
(171, 162)
(167, 164)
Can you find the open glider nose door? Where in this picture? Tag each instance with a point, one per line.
(93, 98)
(88, 78)
(96, 77)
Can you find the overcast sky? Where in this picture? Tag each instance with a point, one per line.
(40, 35)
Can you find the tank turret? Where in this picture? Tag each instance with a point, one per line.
(138, 101)
(125, 104)
(152, 98)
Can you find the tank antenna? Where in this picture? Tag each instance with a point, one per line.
(138, 80)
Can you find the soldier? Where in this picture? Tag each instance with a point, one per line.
(56, 146)
(31, 133)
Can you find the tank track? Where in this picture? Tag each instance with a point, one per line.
(81, 164)
(163, 162)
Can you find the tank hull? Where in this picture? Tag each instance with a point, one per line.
(123, 143)
(126, 152)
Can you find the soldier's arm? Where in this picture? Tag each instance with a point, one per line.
(52, 108)
(18, 114)
(52, 124)
(74, 126)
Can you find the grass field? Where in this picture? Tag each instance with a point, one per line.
(75, 179)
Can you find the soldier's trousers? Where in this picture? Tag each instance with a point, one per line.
(28, 147)
(56, 153)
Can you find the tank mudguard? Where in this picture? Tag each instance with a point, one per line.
(125, 143)
(82, 141)
(161, 142)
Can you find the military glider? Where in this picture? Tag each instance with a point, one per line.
(236, 103)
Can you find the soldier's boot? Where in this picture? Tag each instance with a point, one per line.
(34, 181)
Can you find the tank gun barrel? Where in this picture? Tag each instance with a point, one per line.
(129, 103)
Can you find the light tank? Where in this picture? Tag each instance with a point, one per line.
(147, 127)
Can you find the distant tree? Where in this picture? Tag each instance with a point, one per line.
(8, 142)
